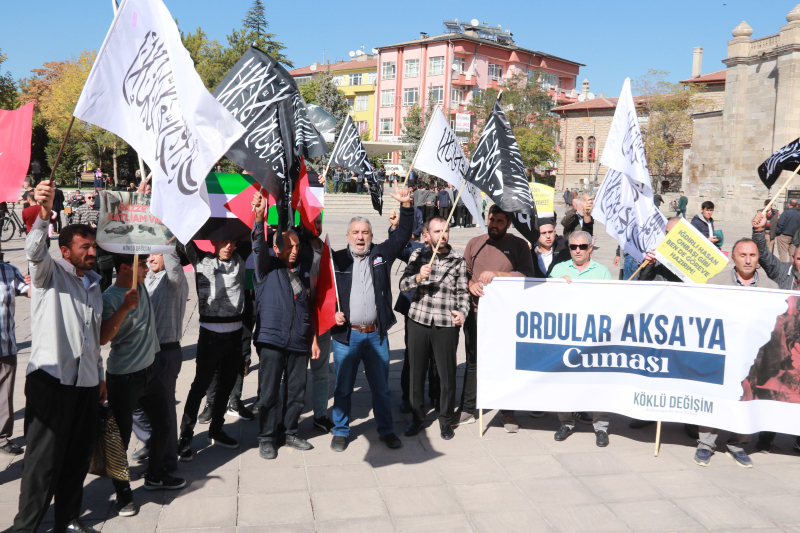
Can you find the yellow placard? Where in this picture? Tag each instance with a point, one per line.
(544, 199)
(689, 255)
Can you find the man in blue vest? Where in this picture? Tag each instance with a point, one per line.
(284, 335)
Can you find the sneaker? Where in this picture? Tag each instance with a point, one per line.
(764, 445)
(205, 416)
(510, 423)
(740, 458)
(140, 455)
(601, 439)
(77, 525)
(266, 450)
(464, 419)
(166, 482)
(324, 423)
(702, 456)
(298, 443)
(11, 449)
(221, 438)
(338, 444)
(537, 414)
(185, 453)
(563, 432)
(124, 503)
(582, 417)
(239, 410)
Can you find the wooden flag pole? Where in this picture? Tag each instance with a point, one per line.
(411, 167)
(135, 270)
(658, 436)
(480, 423)
(783, 188)
(447, 224)
(61, 150)
(333, 270)
(644, 264)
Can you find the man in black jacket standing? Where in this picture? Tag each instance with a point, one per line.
(363, 279)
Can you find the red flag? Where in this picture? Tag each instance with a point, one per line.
(241, 205)
(15, 150)
(307, 200)
(325, 299)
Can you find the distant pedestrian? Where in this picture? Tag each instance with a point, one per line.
(682, 203)
(788, 224)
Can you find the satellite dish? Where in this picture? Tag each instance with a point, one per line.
(454, 66)
(581, 98)
(374, 50)
(590, 96)
(359, 52)
(312, 68)
(351, 53)
(474, 22)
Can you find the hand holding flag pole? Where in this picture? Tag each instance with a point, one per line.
(783, 188)
(447, 224)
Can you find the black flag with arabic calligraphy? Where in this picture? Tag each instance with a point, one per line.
(265, 99)
(497, 169)
(349, 153)
(787, 158)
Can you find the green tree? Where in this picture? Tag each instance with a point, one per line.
(668, 108)
(8, 88)
(255, 19)
(207, 55)
(308, 90)
(253, 33)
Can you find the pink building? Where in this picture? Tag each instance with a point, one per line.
(456, 65)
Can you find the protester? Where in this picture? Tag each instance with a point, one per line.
(87, 213)
(788, 224)
(98, 180)
(64, 381)
(682, 203)
(444, 201)
(438, 310)
(363, 279)
(771, 226)
(168, 289)
(745, 255)
(129, 324)
(497, 254)
(550, 250)
(429, 200)
(382, 179)
(704, 223)
(12, 284)
(58, 207)
(568, 197)
(658, 200)
(581, 267)
(579, 217)
(220, 279)
(337, 177)
(36, 172)
(30, 213)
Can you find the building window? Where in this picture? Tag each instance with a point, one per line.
(351, 103)
(362, 126)
(387, 98)
(388, 70)
(412, 68)
(302, 79)
(410, 96)
(476, 93)
(548, 80)
(355, 79)
(495, 71)
(461, 63)
(579, 150)
(591, 154)
(436, 66)
(362, 102)
(372, 78)
(387, 126)
(457, 95)
(338, 80)
(437, 95)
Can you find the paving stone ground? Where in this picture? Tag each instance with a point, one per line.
(501, 482)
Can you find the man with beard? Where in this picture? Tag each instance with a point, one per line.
(497, 254)
(65, 372)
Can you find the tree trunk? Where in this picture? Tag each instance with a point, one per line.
(114, 158)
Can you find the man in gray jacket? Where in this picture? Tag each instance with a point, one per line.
(65, 372)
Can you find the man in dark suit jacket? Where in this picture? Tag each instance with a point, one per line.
(550, 250)
(363, 278)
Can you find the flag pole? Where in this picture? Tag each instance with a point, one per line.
(658, 436)
(135, 270)
(333, 270)
(61, 150)
(644, 264)
(777, 194)
(447, 224)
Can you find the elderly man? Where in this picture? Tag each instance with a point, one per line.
(284, 335)
(581, 267)
(65, 372)
(745, 262)
(87, 213)
(579, 217)
(438, 308)
(363, 278)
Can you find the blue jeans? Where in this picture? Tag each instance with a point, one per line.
(336, 186)
(374, 352)
(629, 267)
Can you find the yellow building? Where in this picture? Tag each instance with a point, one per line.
(356, 79)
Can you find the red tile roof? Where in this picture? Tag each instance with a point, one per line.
(601, 102)
(712, 78)
(341, 65)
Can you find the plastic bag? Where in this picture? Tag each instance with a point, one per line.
(109, 457)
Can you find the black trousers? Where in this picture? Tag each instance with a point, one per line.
(429, 212)
(215, 352)
(145, 390)
(433, 376)
(236, 392)
(469, 392)
(60, 423)
(444, 212)
(275, 365)
(439, 344)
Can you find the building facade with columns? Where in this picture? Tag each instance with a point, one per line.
(759, 115)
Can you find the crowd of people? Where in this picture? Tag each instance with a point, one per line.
(140, 312)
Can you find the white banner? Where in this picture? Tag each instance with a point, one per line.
(651, 351)
(440, 154)
(125, 225)
(463, 121)
(624, 203)
(143, 87)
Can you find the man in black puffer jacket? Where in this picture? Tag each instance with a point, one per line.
(284, 335)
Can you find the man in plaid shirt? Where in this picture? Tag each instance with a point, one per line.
(438, 309)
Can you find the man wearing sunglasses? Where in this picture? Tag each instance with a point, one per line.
(581, 267)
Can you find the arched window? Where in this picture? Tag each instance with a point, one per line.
(592, 155)
(579, 150)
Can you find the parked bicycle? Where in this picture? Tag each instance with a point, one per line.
(11, 223)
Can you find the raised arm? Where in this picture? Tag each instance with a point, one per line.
(772, 265)
(40, 264)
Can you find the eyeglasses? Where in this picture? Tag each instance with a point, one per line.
(90, 197)
(574, 247)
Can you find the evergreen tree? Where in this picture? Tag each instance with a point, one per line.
(8, 89)
(255, 20)
(253, 33)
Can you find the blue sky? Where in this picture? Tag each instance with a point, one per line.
(614, 39)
